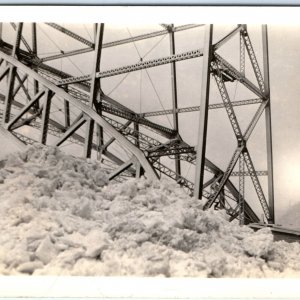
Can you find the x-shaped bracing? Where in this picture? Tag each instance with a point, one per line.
(241, 151)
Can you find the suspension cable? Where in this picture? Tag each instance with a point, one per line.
(61, 51)
(91, 39)
(127, 74)
(159, 99)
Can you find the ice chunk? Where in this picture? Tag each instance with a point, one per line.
(30, 267)
(46, 251)
(259, 244)
(96, 241)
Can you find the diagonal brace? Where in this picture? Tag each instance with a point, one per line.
(25, 109)
(122, 168)
(76, 125)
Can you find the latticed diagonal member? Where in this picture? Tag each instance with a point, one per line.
(217, 71)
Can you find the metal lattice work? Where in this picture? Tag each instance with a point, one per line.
(54, 99)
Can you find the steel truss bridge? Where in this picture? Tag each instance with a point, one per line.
(44, 101)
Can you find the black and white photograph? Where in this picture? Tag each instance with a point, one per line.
(166, 150)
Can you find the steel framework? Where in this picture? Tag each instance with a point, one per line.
(41, 102)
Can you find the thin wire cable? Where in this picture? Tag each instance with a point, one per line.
(118, 84)
(61, 51)
(157, 95)
(126, 75)
(91, 39)
(155, 45)
(137, 50)
(45, 33)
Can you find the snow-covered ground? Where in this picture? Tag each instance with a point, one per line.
(59, 216)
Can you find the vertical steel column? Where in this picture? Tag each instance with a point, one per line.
(34, 51)
(136, 131)
(268, 123)
(67, 114)
(241, 190)
(222, 198)
(242, 54)
(95, 89)
(174, 94)
(138, 169)
(99, 132)
(45, 116)
(201, 147)
(11, 76)
(67, 110)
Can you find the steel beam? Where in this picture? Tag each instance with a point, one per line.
(225, 178)
(88, 141)
(87, 110)
(201, 146)
(138, 66)
(268, 124)
(256, 184)
(255, 119)
(227, 104)
(25, 109)
(34, 51)
(71, 34)
(258, 173)
(197, 108)
(174, 94)
(45, 116)
(123, 41)
(239, 76)
(122, 168)
(152, 63)
(136, 129)
(94, 91)
(67, 111)
(21, 83)
(75, 126)
(227, 37)
(253, 59)
(14, 26)
(138, 168)
(149, 35)
(165, 131)
(4, 73)
(242, 54)
(111, 140)
(241, 190)
(11, 76)
(67, 54)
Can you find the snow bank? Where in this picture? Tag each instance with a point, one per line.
(59, 216)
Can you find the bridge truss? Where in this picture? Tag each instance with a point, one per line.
(45, 100)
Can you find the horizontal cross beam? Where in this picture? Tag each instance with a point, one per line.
(197, 108)
(258, 173)
(138, 66)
